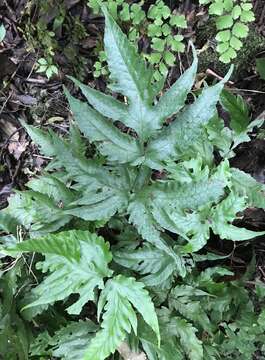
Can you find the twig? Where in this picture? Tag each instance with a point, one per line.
(212, 73)
(247, 90)
(42, 157)
(128, 354)
(36, 81)
(4, 104)
(32, 69)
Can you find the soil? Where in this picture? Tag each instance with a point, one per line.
(31, 96)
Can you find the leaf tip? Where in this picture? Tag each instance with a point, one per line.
(23, 123)
(228, 75)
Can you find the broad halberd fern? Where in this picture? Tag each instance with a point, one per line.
(160, 221)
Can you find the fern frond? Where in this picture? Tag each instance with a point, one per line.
(77, 261)
(118, 298)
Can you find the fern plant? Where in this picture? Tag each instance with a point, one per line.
(155, 182)
(159, 24)
(232, 19)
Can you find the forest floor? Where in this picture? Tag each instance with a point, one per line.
(25, 94)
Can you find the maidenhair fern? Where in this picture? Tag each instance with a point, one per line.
(232, 19)
(156, 183)
(161, 25)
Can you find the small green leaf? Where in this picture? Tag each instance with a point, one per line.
(124, 14)
(97, 74)
(178, 21)
(246, 6)
(228, 5)
(42, 61)
(137, 14)
(158, 44)
(247, 16)
(236, 12)
(240, 30)
(228, 55)
(154, 30)
(163, 69)
(41, 69)
(169, 58)
(236, 43)
(165, 12)
(155, 57)
(176, 43)
(216, 8)
(222, 47)
(223, 36)
(158, 21)
(158, 76)
(224, 22)
(166, 30)
(177, 46)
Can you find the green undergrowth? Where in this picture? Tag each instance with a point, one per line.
(110, 248)
(43, 25)
(158, 25)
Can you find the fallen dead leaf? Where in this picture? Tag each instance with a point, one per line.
(17, 148)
